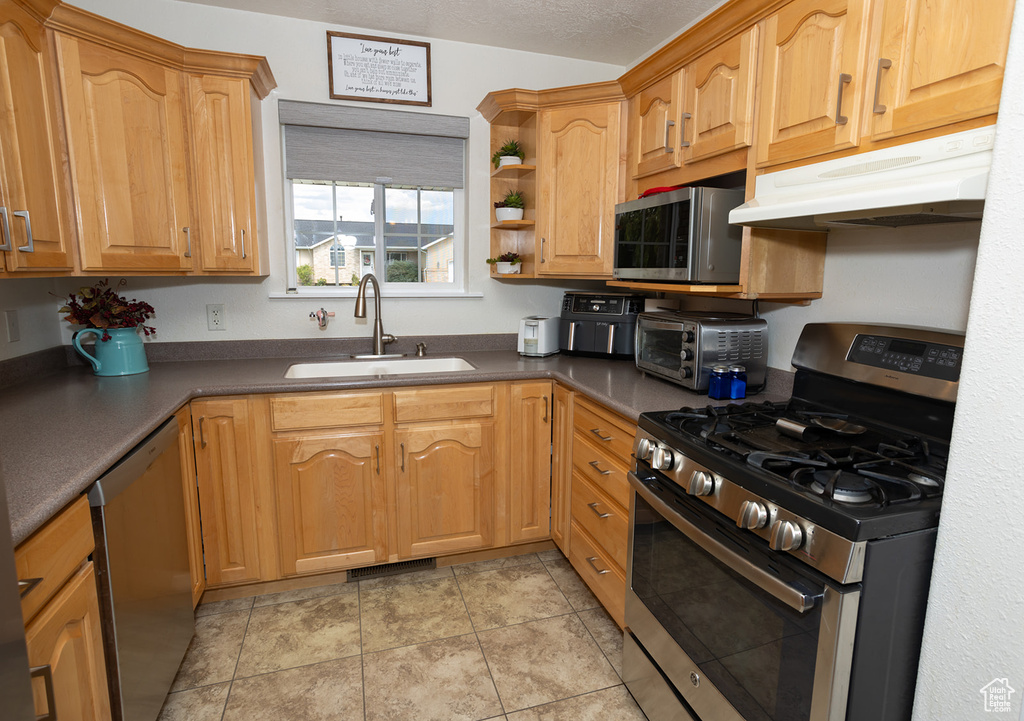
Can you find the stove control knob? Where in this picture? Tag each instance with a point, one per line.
(786, 536)
(752, 515)
(687, 336)
(643, 448)
(661, 458)
(686, 354)
(702, 483)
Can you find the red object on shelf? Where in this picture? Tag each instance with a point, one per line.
(655, 191)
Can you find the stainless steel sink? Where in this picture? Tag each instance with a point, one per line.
(377, 367)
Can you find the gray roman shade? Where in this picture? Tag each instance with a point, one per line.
(359, 145)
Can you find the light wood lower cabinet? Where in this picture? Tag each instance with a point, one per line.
(62, 617)
(561, 466)
(227, 489)
(67, 637)
(330, 501)
(193, 525)
(446, 479)
(529, 507)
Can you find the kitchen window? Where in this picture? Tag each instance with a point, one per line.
(374, 191)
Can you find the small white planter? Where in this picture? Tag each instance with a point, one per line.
(509, 160)
(503, 214)
(507, 268)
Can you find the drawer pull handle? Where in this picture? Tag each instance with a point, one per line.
(377, 448)
(593, 507)
(402, 446)
(46, 673)
(243, 243)
(844, 79)
(545, 419)
(600, 572)
(188, 239)
(682, 132)
(669, 124)
(883, 64)
(25, 585)
(31, 246)
(5, 229)
(598, 468)
(202, 435)
(597, 432)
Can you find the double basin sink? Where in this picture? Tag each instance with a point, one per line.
(361, 367)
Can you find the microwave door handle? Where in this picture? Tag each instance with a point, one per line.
(792, 597)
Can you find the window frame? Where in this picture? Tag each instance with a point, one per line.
(460, 250)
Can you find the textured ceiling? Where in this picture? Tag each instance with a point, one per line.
(610, 31)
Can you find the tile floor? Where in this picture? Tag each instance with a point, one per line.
(514, 639)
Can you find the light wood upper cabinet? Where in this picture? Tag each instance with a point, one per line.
(529, 507)
(33, 189)
(718, 104)
(657, 118)
(938, 62)
(125, 118)
(446, 478)
(222, 153)
(579, 165)
(330, 501)
(812, 79)
(67, 636)
(227, 489)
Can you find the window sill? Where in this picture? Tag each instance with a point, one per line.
(350, 292)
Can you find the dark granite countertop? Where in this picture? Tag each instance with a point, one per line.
(62, 431)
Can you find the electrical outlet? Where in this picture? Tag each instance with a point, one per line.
(13, 329)
(215, 316)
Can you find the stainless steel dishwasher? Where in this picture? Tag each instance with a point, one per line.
(142, 562)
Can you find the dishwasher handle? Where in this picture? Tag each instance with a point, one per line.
(122, 474)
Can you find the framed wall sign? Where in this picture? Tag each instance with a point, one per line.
(379, 70)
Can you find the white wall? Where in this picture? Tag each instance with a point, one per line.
(975, 625)
(462, 74)
(36, 309)
(919, 275)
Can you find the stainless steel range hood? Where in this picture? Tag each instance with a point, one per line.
(941, 180)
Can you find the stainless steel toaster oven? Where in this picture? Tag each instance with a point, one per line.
(683, 347)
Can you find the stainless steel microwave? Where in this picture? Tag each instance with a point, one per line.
(681, 236)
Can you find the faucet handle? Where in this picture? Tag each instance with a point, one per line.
(388, 338)
(421, 349)
(321, 317)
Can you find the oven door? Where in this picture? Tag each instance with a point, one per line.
(742, 633)
(659, 349)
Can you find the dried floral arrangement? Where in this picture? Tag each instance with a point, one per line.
(98, 306)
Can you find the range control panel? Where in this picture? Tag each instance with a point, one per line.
(907, 356)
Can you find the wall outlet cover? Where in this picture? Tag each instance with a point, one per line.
(215, 317)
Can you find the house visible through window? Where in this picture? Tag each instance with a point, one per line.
(374, 191)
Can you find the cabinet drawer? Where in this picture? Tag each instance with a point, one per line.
(605, 579)
(444, 403)
(604, 519)
(299, 411)
(53, 553)
(601, 468)
(610, 432)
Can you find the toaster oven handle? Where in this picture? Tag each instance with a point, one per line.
(792, 597)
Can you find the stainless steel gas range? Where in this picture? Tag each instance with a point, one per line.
(780, 553)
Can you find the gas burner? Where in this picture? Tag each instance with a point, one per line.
(843, 487)
(922, 480)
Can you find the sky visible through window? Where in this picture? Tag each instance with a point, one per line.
(313, 202)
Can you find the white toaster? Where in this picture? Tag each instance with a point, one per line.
(538, 336)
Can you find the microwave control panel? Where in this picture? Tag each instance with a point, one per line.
(934, 360)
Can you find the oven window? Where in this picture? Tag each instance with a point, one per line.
(661, 347)
(757, 651)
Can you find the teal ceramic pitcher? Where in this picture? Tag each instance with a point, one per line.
(122, 355)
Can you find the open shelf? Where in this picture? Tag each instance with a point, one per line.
(514, 224)
(513, 171)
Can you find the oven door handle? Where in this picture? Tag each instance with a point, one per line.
(792, 597)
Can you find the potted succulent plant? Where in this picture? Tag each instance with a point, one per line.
(506, 263)
(511, 207)
(510, 153)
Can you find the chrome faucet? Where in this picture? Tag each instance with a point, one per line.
(380, 338)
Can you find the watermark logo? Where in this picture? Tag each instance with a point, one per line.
(997, 694)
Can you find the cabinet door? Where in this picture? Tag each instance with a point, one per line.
(224, 174)
(32, 180)
(529, 505)
(656, 120)
(812, 79)
(227, 490)
(331, 507)
(945, 63)
(66, 636)
(445, 488)
(577, 188)
(561, 466)
(718, 100)
(193, 527)
(127, 144)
